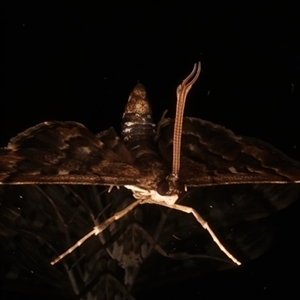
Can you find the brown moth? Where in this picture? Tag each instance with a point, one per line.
(172, 165)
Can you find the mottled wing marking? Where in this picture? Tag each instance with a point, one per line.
(213, 155)
(65, 153)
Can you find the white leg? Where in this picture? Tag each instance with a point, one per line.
(98, 229)
(204, 224)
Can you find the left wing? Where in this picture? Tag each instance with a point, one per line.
(66, 153)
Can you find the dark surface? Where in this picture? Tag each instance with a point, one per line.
(79, 61)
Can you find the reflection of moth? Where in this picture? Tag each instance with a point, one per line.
(189, 165)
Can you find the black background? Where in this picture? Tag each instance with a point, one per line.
(79, 60)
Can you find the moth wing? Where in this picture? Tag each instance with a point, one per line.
(66, 153)
(214, 155)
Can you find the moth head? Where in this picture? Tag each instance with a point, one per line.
(170, 186)
(151, 196)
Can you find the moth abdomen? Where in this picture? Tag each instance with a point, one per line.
(137, 123)
(138, 132)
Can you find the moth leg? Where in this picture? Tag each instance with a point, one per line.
(98, 229)
(204, 224)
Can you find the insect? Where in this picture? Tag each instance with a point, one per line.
(184, 166)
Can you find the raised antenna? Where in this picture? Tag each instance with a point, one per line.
(182, 91)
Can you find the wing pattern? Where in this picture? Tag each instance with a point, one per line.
(58, 181)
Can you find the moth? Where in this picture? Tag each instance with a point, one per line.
(194, 172)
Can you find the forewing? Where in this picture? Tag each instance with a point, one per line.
(213, 155)
(66, 153)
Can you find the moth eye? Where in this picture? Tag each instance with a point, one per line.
(163, 187)
(170, 187)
